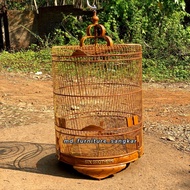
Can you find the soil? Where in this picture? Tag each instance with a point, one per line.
(27, 140)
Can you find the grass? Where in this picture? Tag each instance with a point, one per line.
(160, 71)
(33, 61)
(26, 61)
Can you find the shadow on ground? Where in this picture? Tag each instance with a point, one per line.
(36, 158)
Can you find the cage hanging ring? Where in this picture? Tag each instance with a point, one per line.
(94, 8)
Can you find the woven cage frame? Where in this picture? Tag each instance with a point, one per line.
(98, 95)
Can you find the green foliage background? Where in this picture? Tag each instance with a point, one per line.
(158, 25)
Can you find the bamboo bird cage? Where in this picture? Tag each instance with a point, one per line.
(98, 103)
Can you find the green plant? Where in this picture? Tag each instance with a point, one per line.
(73, 28)
(158, 27)
(27, 61)
(156, 24)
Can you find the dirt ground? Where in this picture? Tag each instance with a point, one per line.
(27, 140)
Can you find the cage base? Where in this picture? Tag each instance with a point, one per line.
(100, 172)
(100, 168)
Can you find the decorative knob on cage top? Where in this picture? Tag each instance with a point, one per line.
(95, 18)
(99, 32)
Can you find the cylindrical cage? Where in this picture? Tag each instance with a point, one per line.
(98, 106)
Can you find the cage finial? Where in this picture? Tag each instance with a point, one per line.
(98, 32)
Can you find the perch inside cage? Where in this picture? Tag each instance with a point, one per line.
(98, 104)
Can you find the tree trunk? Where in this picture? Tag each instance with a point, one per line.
(36, 6)
(6, 28)
(47, 3)
(78, 3)
(1, 36)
